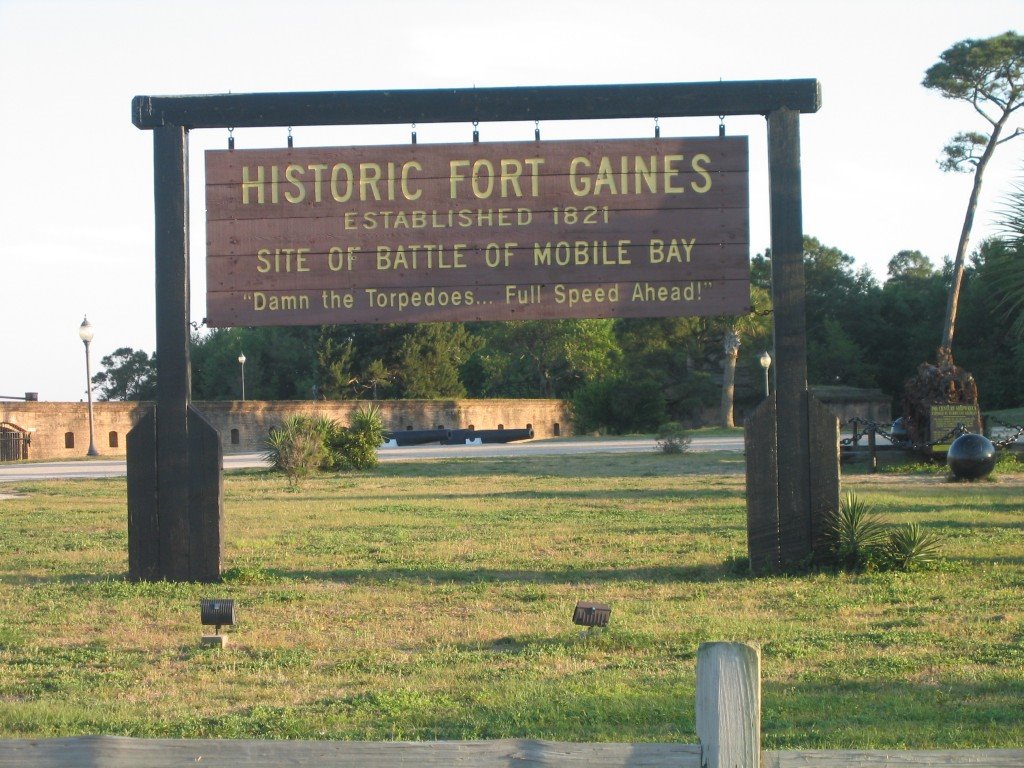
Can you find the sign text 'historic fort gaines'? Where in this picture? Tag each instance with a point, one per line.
(503, 231)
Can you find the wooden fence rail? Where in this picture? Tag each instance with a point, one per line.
(728, 726)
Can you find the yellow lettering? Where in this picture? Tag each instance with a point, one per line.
(478, 191)
(290, 174)
(646, 173)
(338, 258)
(406, 192)
(668, 165)
(454, 177)
(579, 186)
(369, 175)
(511, 170)
(534, 163)
(334, 300)
(700, 189)
(605, 177)
(346, 169)
(248, 184)
(318, 180)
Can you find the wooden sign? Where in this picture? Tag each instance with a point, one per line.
(503, 231)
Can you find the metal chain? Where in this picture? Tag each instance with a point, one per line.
(871, 426)
(1007, 442)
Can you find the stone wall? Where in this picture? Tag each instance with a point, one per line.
(61, 430)
(847, 402)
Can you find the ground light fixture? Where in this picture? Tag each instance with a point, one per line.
(216, 613)
(591, 614)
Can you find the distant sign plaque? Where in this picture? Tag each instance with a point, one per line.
(943, 419)
(503, 231)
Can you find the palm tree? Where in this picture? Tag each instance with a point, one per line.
(989, 75)
(737, 330)
(1008, 267)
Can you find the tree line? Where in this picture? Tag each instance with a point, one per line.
(627, 374)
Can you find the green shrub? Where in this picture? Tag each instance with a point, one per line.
(1007, 462)
(296, 448)
(690, 393)
(355, 446)
(672, 438)
(618, 405)
(306, 443)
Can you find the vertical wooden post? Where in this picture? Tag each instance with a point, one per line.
(803, 460)
(174, 391)
(175, 496)
(790, 334)
(729, 705)
(823, 429)
(760, 446)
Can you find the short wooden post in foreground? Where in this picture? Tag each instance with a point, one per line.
(729, 705)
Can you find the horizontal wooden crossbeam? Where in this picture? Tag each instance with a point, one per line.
(448, 105)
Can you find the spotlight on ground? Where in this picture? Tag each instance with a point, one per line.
(591, 614)
(216, 613)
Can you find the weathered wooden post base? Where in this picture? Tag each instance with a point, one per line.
(729, 705)
(784, 530)
(166, 541)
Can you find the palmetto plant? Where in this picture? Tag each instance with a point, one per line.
(296, 448)
(909, 547)
(855, 534)
(858, 539)
(355, 446)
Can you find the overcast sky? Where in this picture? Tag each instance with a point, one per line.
(76, 200)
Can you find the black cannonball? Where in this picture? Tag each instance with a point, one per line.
(971, 456)
(899, 431)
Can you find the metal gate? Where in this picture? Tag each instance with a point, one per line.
(13, 445)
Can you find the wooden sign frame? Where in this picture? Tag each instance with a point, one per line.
(175, 496)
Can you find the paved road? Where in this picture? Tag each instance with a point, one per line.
(94, 468)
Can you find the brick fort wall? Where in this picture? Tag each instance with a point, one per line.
(61, 430)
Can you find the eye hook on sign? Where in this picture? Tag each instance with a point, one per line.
(414, 133)
(536, 130)
(476, 133)
(231, 138)
(657, 129)
(290, 143)
(721, 126)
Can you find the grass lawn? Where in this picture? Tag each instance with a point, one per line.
(432, 600)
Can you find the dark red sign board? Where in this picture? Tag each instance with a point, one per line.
(503, 231)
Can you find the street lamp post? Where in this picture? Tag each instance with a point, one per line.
(766, 363)
(241, 362)
(85, 333)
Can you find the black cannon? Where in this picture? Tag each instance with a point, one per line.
(460, 436)
(417, 436)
